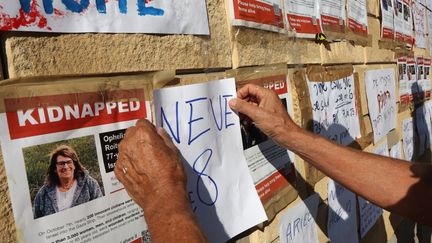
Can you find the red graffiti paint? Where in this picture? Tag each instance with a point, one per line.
(33, 18)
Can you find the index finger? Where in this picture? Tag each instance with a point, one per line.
(251, 90)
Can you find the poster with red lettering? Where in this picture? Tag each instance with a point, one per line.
(357, 17)
(271, 167)
(408, 23)
(62, 146)
(110, 16)
(333, 15)
(303, 17)
(258, 14)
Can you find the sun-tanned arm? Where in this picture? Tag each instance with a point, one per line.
(399, 186)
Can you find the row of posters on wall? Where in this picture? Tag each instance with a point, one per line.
(351, 217)
(92, 123)
(414, 79)
(305, 17)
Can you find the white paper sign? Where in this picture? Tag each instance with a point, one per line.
(334, 109)
(381, 96)
(121, 16)
(408, 22)
(396, 151)
(333, 14)
(429, 17)
(342, 216)
(357, 16)
(207, 133)
(387, 17)
(303, 16)
(422, 127)
(298, 224)
(404, 90)
(428, 118)
(369, 213)
(408, 138)
(265, 15)
(399, 20)
(419, 14)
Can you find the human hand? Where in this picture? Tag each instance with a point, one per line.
(264, 107)
(150, 168)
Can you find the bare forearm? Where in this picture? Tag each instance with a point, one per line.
(171, 220)
(399, 186)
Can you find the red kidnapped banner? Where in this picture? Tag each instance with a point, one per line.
(34, 116)
(258, 12)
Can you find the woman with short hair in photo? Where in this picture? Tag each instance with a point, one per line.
(67, 184)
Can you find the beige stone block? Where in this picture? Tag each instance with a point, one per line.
(373, 7)
(321, 187)
(420, 52)
(342, 52)
(374, 53)
(7, 222)
(39, 54)
(258, 47)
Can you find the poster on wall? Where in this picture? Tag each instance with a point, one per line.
(427, 85)
(258, 14)
(396, 151)
(269, 164)
(429, 17)
(404, 90)
(357, 17)
(333, 15)
(398, 20)
(298, 224)
(408, 23)
(408, 138)
(419, 16)
(342, 214)
(335, 115)
(412, 78)
(387, 19)
(200, 123)
(422, 128)
(381, 97)
(369, 212)
(123, 16)
(63, 143)
(303, 17)
(421, 82)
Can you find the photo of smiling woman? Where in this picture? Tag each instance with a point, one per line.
(67, 184)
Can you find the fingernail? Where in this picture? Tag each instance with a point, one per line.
(233, 103)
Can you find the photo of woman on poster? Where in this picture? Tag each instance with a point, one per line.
(67, 184)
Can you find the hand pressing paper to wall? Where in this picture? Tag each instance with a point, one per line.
(207, 133)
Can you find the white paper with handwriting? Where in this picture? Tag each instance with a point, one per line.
(298, 223)
(408, 138)
(381, 97)
(342, 216)
(207, 132)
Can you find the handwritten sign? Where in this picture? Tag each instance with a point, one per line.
(381, 96)
(422, 125)
(428, 118)
(342, 215)
(334, 109)
(396, 151)
(369, 213)
(115, 16)
(419, 14)
(408, 138)
(429, 17)
(298, 224)
(207, 133)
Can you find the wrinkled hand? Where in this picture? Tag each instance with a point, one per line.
(264, 107)
(150, 168)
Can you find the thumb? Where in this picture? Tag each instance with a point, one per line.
(244, 107)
